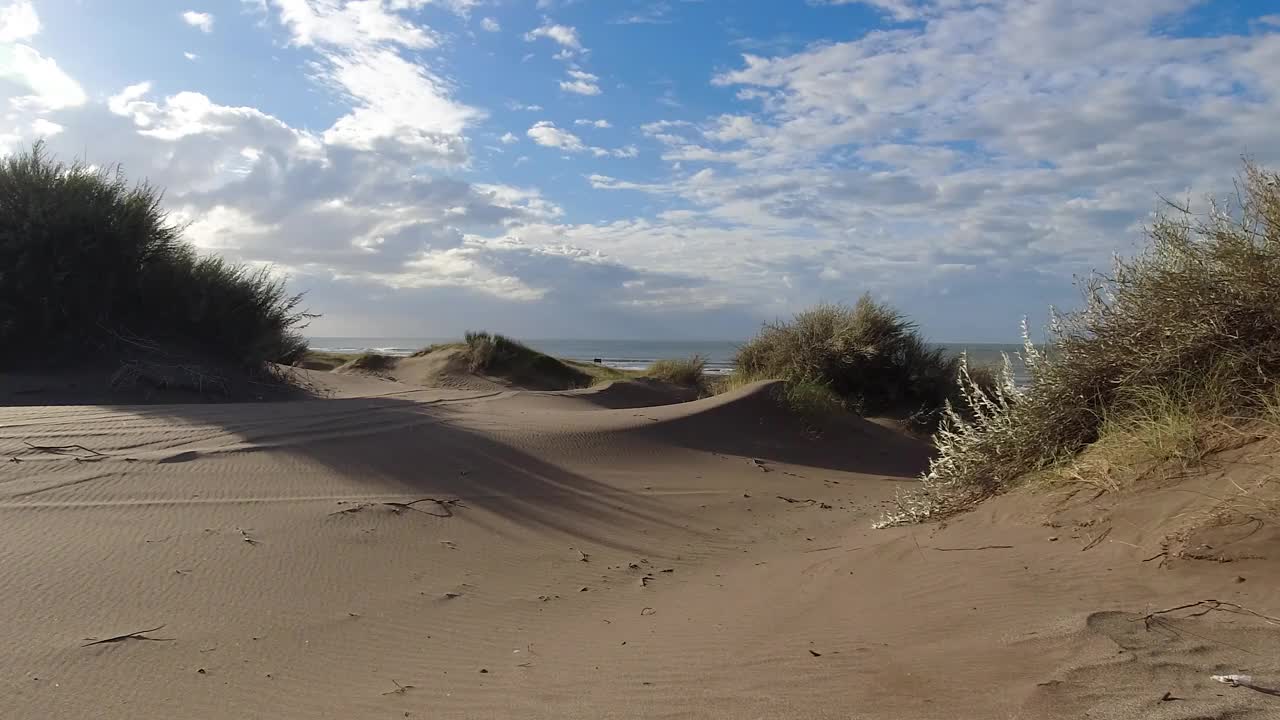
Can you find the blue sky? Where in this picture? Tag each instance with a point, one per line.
(686, 169)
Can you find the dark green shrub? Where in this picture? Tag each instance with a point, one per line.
(90, 264)
(868, 355)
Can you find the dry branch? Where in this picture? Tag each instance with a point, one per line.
(135, 635)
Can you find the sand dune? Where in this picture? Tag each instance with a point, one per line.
(391, 551)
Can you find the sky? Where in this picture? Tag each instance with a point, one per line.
(682, 169)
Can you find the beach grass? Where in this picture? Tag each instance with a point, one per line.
(867, 357)
(92, 268)
(689, 372)
(1174, 349)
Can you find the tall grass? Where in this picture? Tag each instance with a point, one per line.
(868, 355)
(89, 263)
(1173, 342)
(690, 371)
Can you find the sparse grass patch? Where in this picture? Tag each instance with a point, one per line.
(1174, 349)
(435, 348)
(812, 401)
(602, 373)
(90, 267)
(689, 371)
(323, 361)
(371, 362)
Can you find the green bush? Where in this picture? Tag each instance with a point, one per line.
(1193, 321)
(89, 264)
(868, 355)
(687, 371)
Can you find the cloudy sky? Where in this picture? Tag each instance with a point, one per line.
(649, 169)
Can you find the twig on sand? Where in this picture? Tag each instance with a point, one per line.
(980, 547)
(400, 506)
(244, 535)
(1245, 681)
(1101, 536)
(1161, 554)
(65, 449)
(808, 501)
(445, 505)
(400, 689)
(135, 635)
(1204, 607)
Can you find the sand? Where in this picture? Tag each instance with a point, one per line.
(393, 552)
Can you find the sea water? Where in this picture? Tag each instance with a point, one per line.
(639, 354)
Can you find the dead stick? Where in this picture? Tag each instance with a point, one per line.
(63, 449)
(983, 547)
(1101, 536)
(444, 505)
(135, 635)
(793, 500)
(1209, 606)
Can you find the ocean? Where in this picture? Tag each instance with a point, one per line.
(635, 354)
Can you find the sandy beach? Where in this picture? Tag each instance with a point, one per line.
(389, 552)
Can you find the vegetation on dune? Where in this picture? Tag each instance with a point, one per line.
(499, 355)
(868, 358)
(90, 267)
(1174, 350)
(323, 361)
(370, 361)
(690, 371)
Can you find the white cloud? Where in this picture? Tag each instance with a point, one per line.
(18, 21)
(191, 56)
(566, 36)
(582, 83)
(655, 14)
(45, 128)
(490, 25)
(398, 101)
(509, 139)
(360, 25)
(42, 85)
(201, 20)
(593, 123)
(901, 10)
(546, 134)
